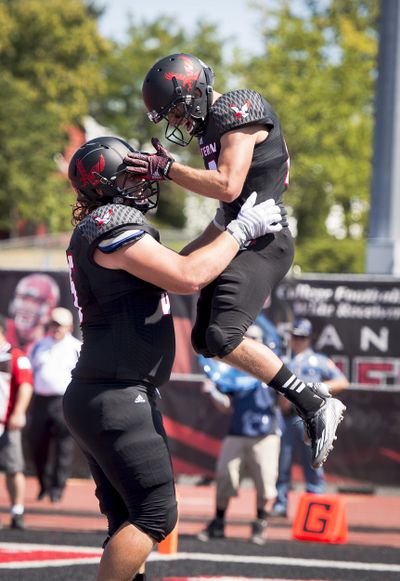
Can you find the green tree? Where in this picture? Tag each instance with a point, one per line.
(49, 54)
(318, 72)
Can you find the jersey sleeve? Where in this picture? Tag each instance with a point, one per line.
(241, 108)
(119, 238)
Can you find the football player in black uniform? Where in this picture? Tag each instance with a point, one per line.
(120, 275)
(244, 150)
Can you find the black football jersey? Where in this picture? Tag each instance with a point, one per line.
(127, 328)
(269, 170)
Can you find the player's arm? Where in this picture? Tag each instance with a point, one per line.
(17, 419)
(138, 253)
(150, 261)
(206, 237)
(226, 182)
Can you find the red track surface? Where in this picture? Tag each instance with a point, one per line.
(372, 519)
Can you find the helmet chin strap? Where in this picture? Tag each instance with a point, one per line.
(210, 92)
(198, 124)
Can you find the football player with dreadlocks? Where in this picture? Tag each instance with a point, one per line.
(120, 277)
(243, 150)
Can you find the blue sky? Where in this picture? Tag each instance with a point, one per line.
(235, 18)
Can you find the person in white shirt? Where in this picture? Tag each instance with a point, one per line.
(52, 359)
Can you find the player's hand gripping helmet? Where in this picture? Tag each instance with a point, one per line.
(94, 169)
(183, 83)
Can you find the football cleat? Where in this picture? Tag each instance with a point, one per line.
(214, 530)
(258, 529)
(320, 389)
(322, 424)
(17, 522)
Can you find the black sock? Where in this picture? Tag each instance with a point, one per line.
(220, 513)
(139, 577)
(296, 391)
(261, 514)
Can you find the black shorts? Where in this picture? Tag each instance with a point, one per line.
(120, 430)
(231, 303)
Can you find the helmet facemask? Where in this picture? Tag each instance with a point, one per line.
(173, 131)
(143, 196)
(178, 132)
(186, 124)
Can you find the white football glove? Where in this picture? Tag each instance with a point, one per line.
(254, 221)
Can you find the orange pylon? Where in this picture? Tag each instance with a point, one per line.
(320, 517)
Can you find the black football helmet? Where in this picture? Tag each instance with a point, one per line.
(179, 79)
(93, 172)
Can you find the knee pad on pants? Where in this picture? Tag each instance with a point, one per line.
(199, 342)
(214, 342)
(220, 342)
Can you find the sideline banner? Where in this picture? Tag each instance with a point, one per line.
(355, 321)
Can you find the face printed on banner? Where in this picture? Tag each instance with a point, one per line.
(35, 296)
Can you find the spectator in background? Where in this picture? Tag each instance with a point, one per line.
(314, 367)
(35, 296)
(53, 359)
(251, 446)
(15, 395)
